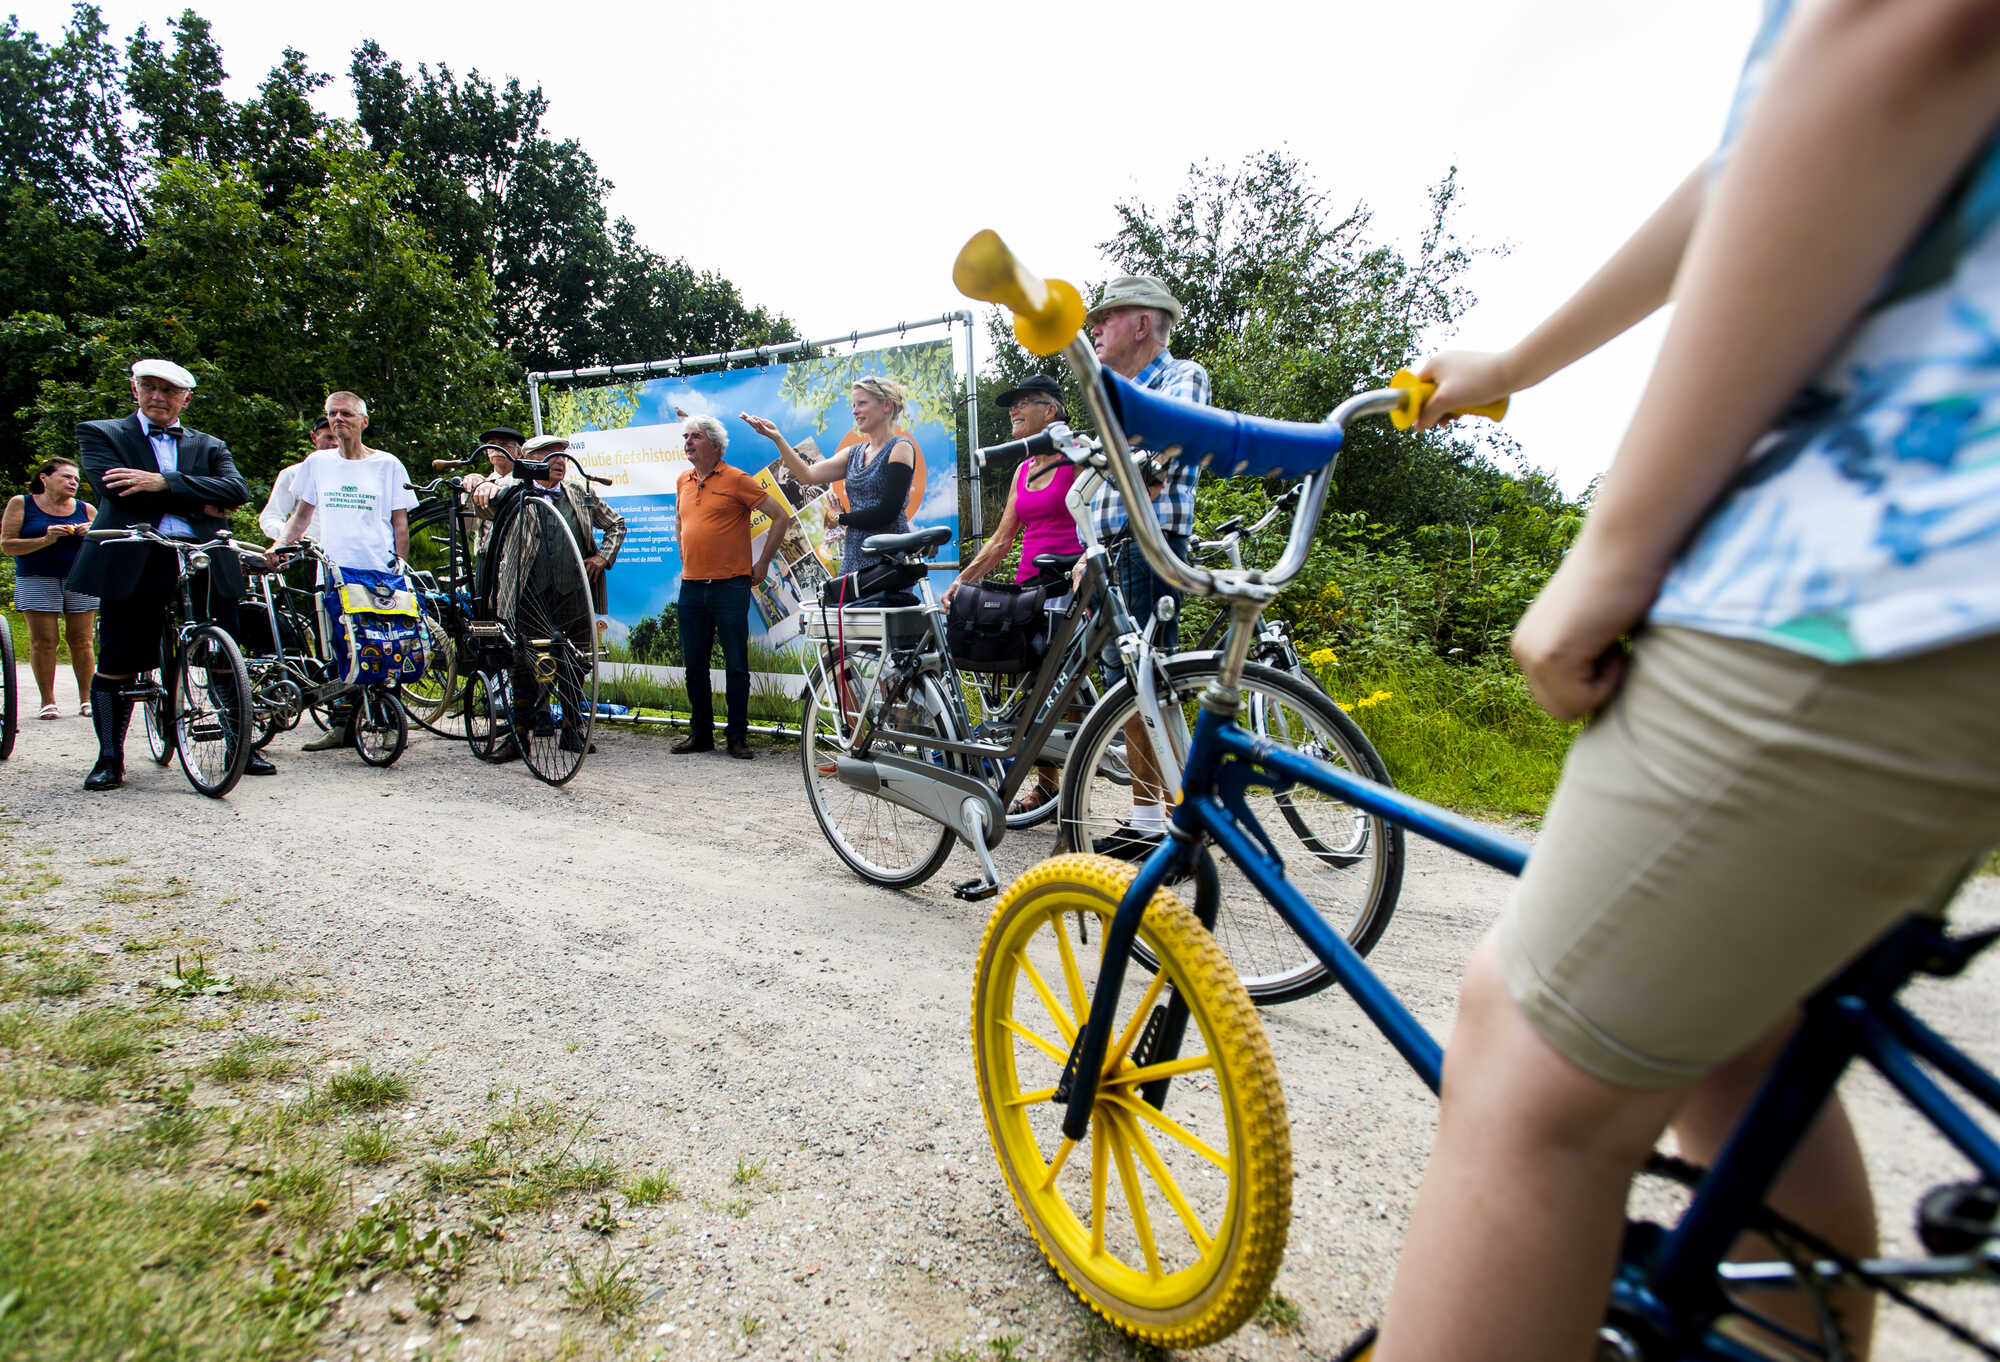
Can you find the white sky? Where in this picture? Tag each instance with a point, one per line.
(831, 159)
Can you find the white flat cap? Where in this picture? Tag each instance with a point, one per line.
(164, 369)
(544, 445)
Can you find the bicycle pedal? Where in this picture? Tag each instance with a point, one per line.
(975, 889)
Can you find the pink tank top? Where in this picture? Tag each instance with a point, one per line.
(1046, 526)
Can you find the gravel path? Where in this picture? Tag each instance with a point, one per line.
(670, 944)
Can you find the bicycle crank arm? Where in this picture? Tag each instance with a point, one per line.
(951, 798)
(1951, 1267)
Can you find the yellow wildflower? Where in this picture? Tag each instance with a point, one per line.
(1331, 591)
(1322, 657)
(1370, 701)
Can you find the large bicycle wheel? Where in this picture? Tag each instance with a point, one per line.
(997, 705)
(211, 711)
(1172, 1223)
(1346, 863)
(542, 595)
(381, 729)
(882, 842)
(10, 691)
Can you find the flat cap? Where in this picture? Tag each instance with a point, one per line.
(164, 369)
(492, 433)
(1135, 290)
(544, 445)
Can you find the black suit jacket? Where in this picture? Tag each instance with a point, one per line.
(207, 477)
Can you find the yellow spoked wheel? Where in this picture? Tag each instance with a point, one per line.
(1171, 1222)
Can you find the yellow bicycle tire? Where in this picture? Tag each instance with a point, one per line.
(1228, 1181)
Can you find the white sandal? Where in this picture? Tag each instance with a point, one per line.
(49, 711)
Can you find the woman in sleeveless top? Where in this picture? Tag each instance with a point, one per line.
(1038, 515)
(878, 470)
(42, 533)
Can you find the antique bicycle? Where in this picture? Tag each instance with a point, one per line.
(1172, 1086)
(197, 706)
(519, 627)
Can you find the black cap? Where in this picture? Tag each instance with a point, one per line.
(502, 433)
(1041, 385)
(320, 425)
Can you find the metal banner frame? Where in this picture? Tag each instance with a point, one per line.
(968, 472)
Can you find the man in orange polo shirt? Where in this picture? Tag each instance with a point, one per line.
(712, 507)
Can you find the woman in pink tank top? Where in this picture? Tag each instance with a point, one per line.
(1038, 515)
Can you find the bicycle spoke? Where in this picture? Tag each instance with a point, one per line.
(1055, 1053)
(1135, 1196)
(1047, 995)
(1187, 1139)
(1156, 1168)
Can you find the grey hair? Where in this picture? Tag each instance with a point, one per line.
(710, 427)
(1163, 324)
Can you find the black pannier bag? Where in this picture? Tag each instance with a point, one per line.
(998, 626)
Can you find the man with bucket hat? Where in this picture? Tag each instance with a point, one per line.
(149, 469)
(1130, 326)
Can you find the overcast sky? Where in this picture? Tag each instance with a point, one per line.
(830, 160)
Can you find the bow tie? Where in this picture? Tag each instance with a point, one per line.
(154, 432)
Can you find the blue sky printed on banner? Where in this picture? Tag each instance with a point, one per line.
(642, 453)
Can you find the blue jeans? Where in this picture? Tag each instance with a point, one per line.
(711, 611)
(1142, 589)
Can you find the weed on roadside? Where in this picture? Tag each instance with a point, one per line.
(1279, 1313)
(526, 1160)
(251, 1059)
(652, 1188)
(603, 1290)
(364, 1088)
(370, 1145)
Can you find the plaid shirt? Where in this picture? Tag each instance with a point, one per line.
(1173, 503)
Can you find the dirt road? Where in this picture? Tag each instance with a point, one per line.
(669, 944)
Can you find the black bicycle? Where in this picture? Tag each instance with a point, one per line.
(518, 623)
(197, 705)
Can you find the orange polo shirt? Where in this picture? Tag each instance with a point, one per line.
(714, 518)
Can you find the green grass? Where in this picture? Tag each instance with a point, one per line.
(1468, 738)
(525, 1161)
(652, 1188)
(368, 1146)
(251, 1059)
(603, 1289)
(364, 1088)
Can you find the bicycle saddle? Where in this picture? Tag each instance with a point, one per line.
(916, 541)
(1227, 441)
(1057, 564)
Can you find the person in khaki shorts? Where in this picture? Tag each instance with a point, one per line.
(1801, 535)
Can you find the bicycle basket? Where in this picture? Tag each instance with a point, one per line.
(374, 630)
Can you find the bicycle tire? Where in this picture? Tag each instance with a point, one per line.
(882, 842)
(381, 728)
(1224, 1171)
(152, 717)
(486, 728)
(543, 597)
(211, 711)
(431, 701)
(1356, 890)
(10, 691)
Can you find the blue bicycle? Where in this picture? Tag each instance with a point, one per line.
(1143, 1132)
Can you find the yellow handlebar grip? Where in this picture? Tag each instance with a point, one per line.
(1047, 312)
(1419, 392)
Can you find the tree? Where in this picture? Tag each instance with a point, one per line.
(1293, 307)
(274, 309)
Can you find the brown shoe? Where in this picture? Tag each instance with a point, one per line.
(740, 749)
(692, 744)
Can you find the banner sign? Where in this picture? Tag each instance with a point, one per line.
(630, 434)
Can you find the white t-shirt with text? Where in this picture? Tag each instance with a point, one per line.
(353, 499)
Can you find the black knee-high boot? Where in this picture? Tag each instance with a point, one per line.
(110, 715)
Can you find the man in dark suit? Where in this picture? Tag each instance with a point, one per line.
(149, 469)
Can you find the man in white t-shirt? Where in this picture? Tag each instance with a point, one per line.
(361, 499)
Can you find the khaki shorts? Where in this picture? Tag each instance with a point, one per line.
(1740, 822)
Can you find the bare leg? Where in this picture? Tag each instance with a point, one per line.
(82, 648)
(1823, 1187)
(43, 628)
(1146, 787)
(1516, 1229)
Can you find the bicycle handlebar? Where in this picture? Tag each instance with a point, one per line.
(149, 535)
